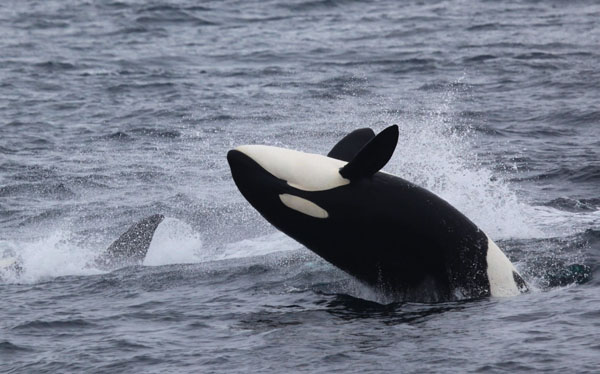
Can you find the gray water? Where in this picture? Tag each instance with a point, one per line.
(111, 111)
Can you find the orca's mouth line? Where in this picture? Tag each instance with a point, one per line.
(251, 178)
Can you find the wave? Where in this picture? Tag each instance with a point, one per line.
(142, 132)
(309, 5)
(75, 324)
(560, 261)
(169, 14)
(575, 205)
(54, 190)
(587, 173)
(11, 348)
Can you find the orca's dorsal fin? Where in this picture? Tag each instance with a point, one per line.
(373, 156)
(131, 247)
(347, 148)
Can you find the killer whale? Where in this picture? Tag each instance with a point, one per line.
(385, 231)
(129, 249)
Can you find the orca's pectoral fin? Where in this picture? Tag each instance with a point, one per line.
(373, 156)
(347, 148)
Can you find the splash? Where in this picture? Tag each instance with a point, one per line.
(440, 149)
(260, 246)
(437, 152)
(174, 242)
(437, 149)
(49, 257)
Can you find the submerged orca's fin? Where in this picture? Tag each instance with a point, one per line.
(347, 148)
(131, 247)
(373, 156)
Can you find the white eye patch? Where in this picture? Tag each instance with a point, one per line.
(303, 206)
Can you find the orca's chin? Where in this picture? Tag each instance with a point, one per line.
(256, 184)
(246, 172)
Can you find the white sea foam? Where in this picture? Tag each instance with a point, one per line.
(48, 257)
(436, 150)
(260, 246)
(174, 242)
(438, 155)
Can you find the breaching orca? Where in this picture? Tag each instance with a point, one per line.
(381, 229)
(129, 249)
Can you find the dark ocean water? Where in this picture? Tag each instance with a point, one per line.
(111, 111)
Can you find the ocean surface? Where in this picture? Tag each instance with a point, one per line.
(111, 111)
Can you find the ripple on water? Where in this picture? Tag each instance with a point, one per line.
(6, 347)
(74, 325)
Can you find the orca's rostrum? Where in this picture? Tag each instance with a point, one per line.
(381, 229)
